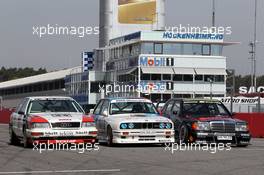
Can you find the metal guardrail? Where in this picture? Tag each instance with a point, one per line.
(1, 103)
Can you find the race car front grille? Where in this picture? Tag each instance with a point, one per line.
(146, 126)
(146, 138)
(66, 125)
(226, 127)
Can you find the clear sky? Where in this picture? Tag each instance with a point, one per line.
(20, 48)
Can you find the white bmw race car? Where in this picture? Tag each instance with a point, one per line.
(131, 120)
(51, 120)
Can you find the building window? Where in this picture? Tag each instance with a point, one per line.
(177, 77)
(172, 49)
(208, 78)
(147, 48)
(206, 49)
(145, 77)
(155, 97)
(187, 49)
(219, 78)
(197, 49)
(187, 77)
(216, 50)
(198, 77)
(166, 77)
(156, 77)
(158, 48)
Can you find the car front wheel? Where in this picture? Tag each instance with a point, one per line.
(109, 136)
(13, 140)
(183, 134)
(26, 142)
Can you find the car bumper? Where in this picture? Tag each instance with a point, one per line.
(143, 136)
(239, 138)
(81, 135)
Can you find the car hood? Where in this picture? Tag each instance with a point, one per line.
(218, 118)
(148, 118)
(60, 117)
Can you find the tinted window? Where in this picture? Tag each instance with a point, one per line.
(38, 106)
(204, 109)
(105, 107)
(168, 108)
(132, 107)
(98, 107)
(176, 108)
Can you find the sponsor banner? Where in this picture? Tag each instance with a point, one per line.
(151, 61)
(182, 37)
(137, 11)
(246, 90)
(242, 100)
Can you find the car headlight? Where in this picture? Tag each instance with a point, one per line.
(131, 125)
(40, 125)
(241, 127)
(201, 126)
(168, 125)
(88, 124)
(123, 126)
(162, 125)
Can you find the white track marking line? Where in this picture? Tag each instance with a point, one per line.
(60, 171)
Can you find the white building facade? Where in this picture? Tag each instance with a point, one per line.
(162, 64)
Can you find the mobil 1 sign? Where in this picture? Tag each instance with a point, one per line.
(150, 61)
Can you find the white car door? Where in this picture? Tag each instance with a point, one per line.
(22, 115)
(104, 113)
(97, 117)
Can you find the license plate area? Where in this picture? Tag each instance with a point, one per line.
(147, 132)
(224, 137)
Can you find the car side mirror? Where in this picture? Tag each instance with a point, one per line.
(175, 112)
(105, 113)
(21, 113)
(91, 111)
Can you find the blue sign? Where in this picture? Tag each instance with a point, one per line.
(206, 36)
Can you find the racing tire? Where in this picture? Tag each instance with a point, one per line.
(13, 140)
(26, 143)
(109, 136)
(183, 134)
(242, 145)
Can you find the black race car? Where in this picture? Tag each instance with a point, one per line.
(205, 121)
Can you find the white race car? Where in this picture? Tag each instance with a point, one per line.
(131, 120)
(51, 120)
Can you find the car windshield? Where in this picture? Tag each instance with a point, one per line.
(132, 107)
(39, 106)
(204, 109)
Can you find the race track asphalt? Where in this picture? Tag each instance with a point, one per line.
(131, 159)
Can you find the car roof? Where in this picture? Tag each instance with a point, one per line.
(197, 100)
(49, 97)
(112, 99)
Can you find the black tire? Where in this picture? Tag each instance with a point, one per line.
(242, 145)
(25, 140)
(13, 140)
(183, 134)
(109, 136)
